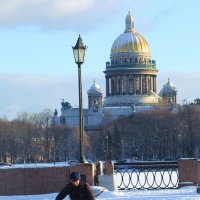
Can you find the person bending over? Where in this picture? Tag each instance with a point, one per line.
(76, 189)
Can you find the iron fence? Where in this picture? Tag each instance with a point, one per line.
(147, 175)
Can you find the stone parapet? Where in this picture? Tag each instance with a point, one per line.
(29, 181)
(188, 171)
(108, 168)
(105, 174)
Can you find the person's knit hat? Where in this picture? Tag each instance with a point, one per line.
(75, 176)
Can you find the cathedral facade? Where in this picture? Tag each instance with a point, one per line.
(131, 83)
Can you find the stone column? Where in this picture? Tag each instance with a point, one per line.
(108, 179)
(127, 87)
(127, 84)
(141, 84)
(134, 85)
(121, 83)
(107, 86)
(147, 85)
(144, 84)
(153, 82)
(112, 86)
(150, 82)
(188, 173)
(115, 85)
(155, 89)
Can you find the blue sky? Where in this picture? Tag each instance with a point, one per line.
(37, 68)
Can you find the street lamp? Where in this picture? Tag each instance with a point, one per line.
(79, 53)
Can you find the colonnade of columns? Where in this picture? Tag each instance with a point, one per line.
(130, 84)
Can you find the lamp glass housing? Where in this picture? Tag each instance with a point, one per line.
(79, 51)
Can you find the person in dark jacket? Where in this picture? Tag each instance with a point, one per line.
(76, 189)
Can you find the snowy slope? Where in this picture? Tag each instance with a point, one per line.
(186, 193)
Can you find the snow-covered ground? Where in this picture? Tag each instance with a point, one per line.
(185, 193)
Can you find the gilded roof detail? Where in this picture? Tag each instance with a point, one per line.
(130, 40)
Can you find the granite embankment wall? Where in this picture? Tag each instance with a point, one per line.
(40, 180)
(27, 181)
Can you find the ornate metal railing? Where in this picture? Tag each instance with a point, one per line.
(147, 175)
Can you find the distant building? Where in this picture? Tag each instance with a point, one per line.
(168, 94)
(130, 83)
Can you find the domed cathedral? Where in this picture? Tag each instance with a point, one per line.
(131, 73)
(168, 94)
(130, 83)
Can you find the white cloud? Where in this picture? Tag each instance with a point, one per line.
(73, 14)
(58, 6)
(39, 12)
(34, 93)
(54, 13)
(31, 93)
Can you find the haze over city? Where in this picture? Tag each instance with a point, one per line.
(37, 68)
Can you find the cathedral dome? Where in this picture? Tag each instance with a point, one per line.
(130, 41)
(95, 89)
(168, 88)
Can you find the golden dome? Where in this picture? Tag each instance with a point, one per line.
(130, 40)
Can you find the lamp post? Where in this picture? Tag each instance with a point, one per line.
(107, 146)
(79, 53)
